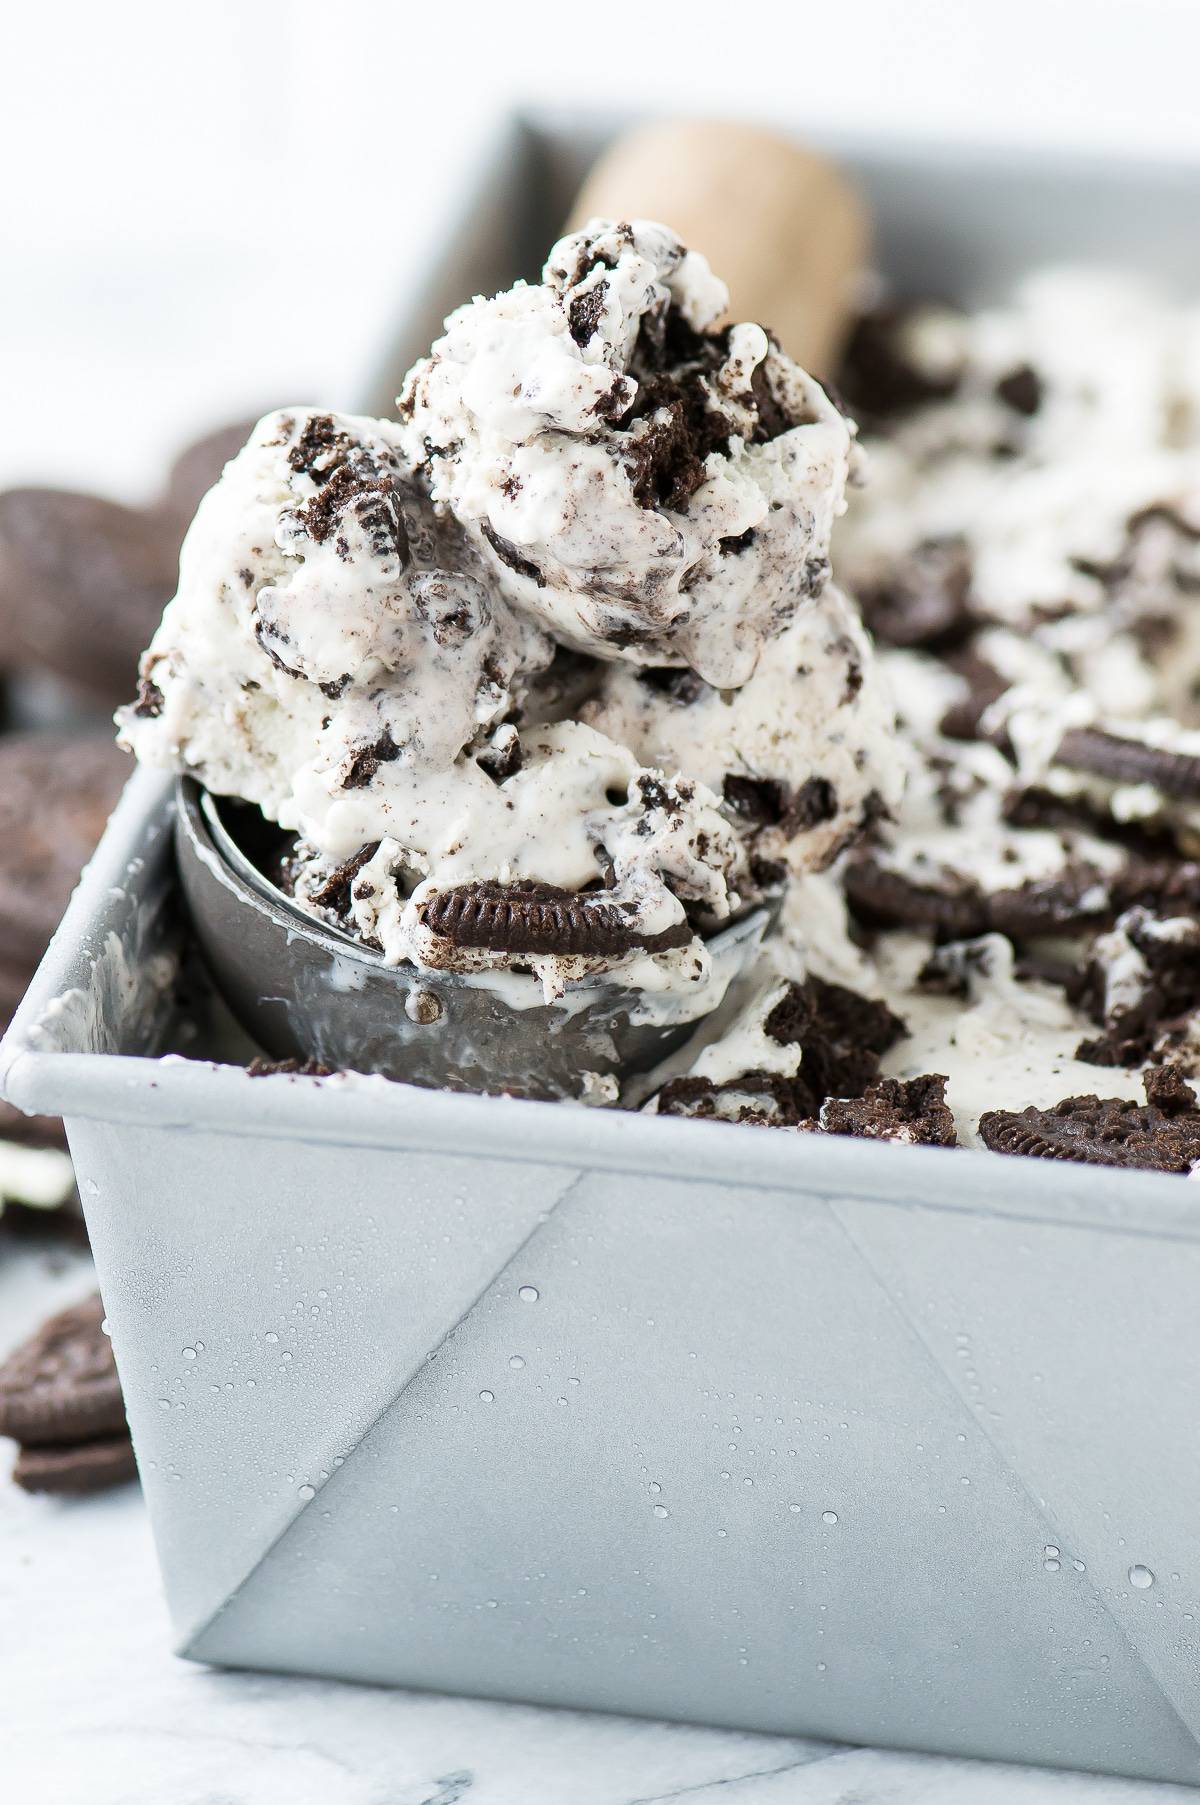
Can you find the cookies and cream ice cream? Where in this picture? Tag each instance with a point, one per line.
(647, 487)
(548, 672)
(1027, 552)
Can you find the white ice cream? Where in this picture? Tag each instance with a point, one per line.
(572, 427)
(362, 646)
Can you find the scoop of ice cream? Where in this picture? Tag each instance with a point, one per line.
(334, 656)
(329, 654)
(641, 485)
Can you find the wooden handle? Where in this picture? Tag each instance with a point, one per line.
(780, 225)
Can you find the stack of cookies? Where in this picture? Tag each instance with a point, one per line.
(82, 582)
(60, 1401)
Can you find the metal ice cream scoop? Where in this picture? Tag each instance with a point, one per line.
(305, 990)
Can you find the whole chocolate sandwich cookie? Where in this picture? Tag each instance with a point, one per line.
(60, 1401)
(56, 793)
(83, 580)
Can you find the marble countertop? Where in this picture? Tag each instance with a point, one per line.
(95, 1710)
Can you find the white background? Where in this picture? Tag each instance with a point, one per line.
(209, 209)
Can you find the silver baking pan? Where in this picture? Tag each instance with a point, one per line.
(675, 1418)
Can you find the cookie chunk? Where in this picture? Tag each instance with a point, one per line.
(1161, 1135)
(912, 1111)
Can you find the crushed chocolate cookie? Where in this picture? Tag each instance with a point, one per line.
(1021, 390)
(1161, 1135)
(335, 889)
(773, 417)
(585, 312)
(503, 758)
(911, 1110)
(926, 600)
(878, 377)
(508, 554)
(363, 765)
(1077, 899)
(1140, 979)
(260, 1067)
(758, 1099)
(761, 801)
(814, 802)
(985, 685)
(666, 459)
(841, 1034)
(318, 447)
(680, 686)
(150, 700)
(540, 920)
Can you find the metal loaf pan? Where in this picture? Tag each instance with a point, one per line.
(520, 1399)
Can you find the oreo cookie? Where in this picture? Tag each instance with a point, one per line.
(879, 377)
(61, 1388)
(84, 580)
(540, 920)
(56, 793)
(75, 1471)
(1161, 1135)
(925, 601)
(840, 1035)
(1127, 761)
(912, 1111)
(1078, 900)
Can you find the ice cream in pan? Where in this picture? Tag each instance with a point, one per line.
(550, 679)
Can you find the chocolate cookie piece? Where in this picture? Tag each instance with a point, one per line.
(1140, 979)
(75, 1471)
(1021, 389)
(1161, 1135)
(911, 1110)
(84, 580)
(1127, 761)
(541, 920)
(984, 684)
(56, 793)
(61, 1386)
(878, 377)
(841, 1035)
(259, 1067)
(881, 898)
(1078, 899)
(925, 601)
(758, 1099)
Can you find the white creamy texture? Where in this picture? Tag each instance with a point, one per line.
(1115, 432)
(347, 683)
(362, 646)
(527, 417)
(814, 724)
